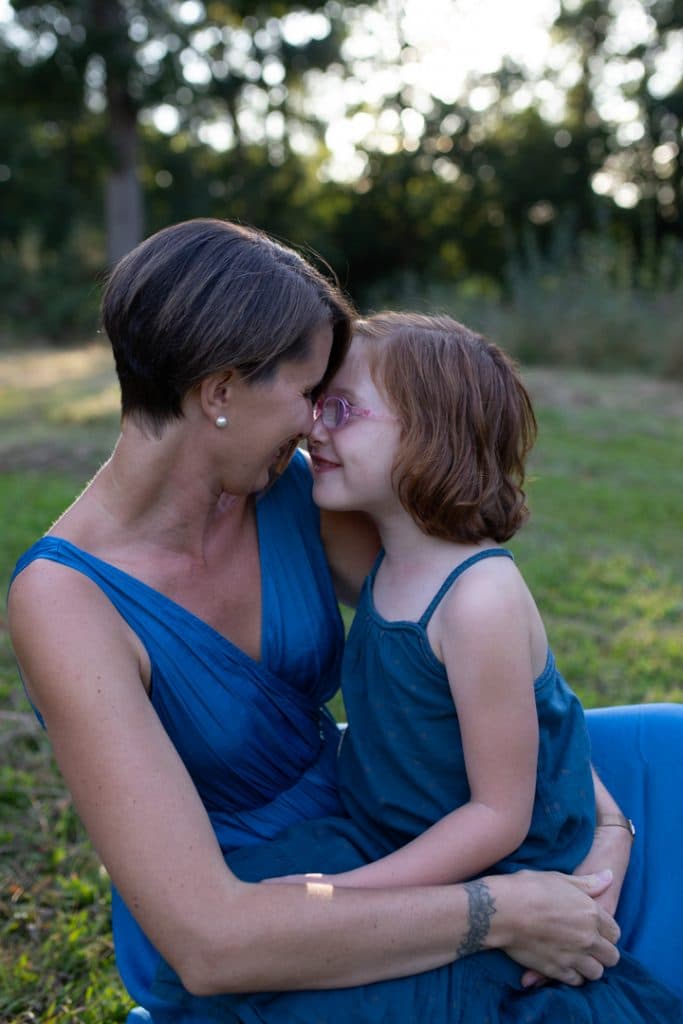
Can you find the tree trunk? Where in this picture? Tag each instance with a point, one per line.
(123, 200)
(123, 192)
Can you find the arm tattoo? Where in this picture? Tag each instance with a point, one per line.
(482, 907)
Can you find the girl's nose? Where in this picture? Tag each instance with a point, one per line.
(319, 431)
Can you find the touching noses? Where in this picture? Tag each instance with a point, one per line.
(318, 432)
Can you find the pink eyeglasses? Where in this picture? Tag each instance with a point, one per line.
(335, 412)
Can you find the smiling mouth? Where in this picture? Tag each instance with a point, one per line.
(284, 454)
(321, 465)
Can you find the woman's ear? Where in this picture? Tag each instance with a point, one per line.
(214, 396)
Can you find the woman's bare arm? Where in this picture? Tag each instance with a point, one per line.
(351, 545)
(146, 820)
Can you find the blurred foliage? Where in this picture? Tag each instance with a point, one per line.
(558, 225)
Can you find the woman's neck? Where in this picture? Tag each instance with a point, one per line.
(157, 492)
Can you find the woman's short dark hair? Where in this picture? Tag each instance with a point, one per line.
(206, 295)
(466, 419)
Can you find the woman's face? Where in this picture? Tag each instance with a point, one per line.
(267, 418)
(352, 464)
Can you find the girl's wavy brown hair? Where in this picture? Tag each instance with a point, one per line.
(467, 424)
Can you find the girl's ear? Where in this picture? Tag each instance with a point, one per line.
(215, 393)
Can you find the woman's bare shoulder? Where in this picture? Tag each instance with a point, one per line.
(60, 623)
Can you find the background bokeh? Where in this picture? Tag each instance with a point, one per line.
(517, 164)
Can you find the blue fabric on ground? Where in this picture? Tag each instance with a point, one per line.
(638, 753)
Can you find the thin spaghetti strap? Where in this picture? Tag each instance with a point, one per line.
(373, 572)
(458, 571)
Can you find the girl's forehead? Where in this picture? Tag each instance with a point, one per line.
(356, 359)
(353, 372)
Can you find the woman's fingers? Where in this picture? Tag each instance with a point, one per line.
(589, 968)
(572, 977)
(533, 979)
(607, 926)
(605, 952)
(586, 968)
(566, 936)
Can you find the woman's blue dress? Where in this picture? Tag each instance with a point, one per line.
(263, 755)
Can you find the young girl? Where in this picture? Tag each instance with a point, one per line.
(465, 747)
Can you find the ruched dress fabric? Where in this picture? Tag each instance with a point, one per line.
(254, 736)
(263, 756)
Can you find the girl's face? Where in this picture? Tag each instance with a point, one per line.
(352, 463)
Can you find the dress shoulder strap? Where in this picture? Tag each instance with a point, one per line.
(457, 572)
(53, 549)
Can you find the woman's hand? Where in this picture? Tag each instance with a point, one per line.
(611, 848)
(557, 927)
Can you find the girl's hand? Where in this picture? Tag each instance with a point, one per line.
(611, 849)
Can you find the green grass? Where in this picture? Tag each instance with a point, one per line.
(602, 551)
(57, 421)
(602, 554)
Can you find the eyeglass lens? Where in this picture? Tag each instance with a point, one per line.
(333, 412)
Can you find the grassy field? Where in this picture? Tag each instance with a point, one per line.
(602, 553)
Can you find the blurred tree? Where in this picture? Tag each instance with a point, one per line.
(89, 71)
(630, 99)
(589, 143)
(221, 108)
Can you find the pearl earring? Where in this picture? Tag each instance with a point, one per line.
(221, 421)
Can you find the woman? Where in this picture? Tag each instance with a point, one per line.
(178, 637)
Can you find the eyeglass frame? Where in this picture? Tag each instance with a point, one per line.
(348, 411)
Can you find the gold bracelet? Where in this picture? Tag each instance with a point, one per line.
(618, 821)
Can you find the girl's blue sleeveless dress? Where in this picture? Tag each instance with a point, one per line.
(401, 768)
(401, 763)
(263, 756)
